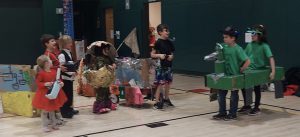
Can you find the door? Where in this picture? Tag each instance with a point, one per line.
(151, 19)
(109, 25)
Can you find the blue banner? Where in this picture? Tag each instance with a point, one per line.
(68, 18)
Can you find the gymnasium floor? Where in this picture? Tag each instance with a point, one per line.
(191, 117)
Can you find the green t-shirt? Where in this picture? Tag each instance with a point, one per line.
(259, 54)
(234, 58)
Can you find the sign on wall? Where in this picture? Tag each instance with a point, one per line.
(79, 47)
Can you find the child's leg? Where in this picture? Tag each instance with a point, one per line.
(157, 93)
(168, 79)
(45, 121)
(53, 120)
(257, 96)
(167, 91)
(222, 105)
(234, 101)
(256, 109)
(222, 102)
(167, 100)
(66, 110)
(101, 105)
(247, 107)
(59, 121)
(244, 96)
(97, 104)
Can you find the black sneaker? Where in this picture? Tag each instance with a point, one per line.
(230, 117)
(147, 97)
(158, 106)
(219, 116)
(168, 102)
(75, 112)
(244, 109)
(67, 115)
(254, 112)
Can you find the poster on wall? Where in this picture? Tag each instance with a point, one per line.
(79, 47)
(17, 78)
(68, 17)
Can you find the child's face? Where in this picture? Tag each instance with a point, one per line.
(255, 38)
(51, 44)
(228, 39)
(48, 64)
(69, 46)
(164, 34)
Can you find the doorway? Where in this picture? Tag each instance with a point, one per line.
(154, 21)
(109, 25)
(85, 20)
(152, 18)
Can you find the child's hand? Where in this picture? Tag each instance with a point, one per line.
(242, 69)
(113, 66)
(61, 84)
(48, 84)
(170, 57)
(63, 68)
(162, 56)
(272, 75)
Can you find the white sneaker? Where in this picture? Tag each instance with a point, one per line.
(46, 129)
(271, 87)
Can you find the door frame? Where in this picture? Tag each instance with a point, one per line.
(113, 23)
(145, 27)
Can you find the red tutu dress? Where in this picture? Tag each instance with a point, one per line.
(40, 101)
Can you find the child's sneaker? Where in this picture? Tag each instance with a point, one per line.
(46, 129)
(219, 116)
(113, 106)
(158, 106)
(254, 112)
(168, 102)
(244, 109)
(104, 110)
(55, 127)
(230, 117)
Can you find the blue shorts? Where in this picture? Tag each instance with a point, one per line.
(163, 76)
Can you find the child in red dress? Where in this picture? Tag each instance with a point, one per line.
(49, 42)
(45, 79)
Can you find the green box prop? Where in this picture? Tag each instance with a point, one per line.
(247, 80)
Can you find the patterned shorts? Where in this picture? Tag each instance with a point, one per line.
(163, 76)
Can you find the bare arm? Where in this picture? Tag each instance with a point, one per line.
(154, 55)
(170, 57)
(246, 64)
(272, 64)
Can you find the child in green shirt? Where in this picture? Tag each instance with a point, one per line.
(260, 55)
(236, 61)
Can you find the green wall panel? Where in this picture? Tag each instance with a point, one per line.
(21, 27)
(195, 25)
(52, 22)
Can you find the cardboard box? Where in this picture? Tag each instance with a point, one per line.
(19, 103)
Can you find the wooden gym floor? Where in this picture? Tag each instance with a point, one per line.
(191, 117)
